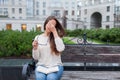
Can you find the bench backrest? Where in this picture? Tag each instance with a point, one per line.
(91, 53)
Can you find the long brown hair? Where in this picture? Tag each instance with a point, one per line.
(60, 31)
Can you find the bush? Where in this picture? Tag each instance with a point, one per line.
(74, 33)
(112, 35)
(16, 43)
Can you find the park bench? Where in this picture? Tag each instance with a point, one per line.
(84, 57)
(92, 57)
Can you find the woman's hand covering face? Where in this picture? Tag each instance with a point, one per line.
(50, 26)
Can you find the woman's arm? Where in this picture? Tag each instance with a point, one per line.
(58, 41)
(35, 54)
(59, 44)
(35, 50)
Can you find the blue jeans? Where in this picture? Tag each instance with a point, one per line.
(50, 76)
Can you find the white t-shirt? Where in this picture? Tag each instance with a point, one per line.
(43, 52)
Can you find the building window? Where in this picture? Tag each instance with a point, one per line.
(118, 8)
(20, 2)
(108, 8)
(107, 18)
(73, 12)
(1, 11)
(73, 5)
(97, 1)
(13, 2)
(2, 2)
(37, 4)
(44, 12)
(13, 17)
(20, 10)
(85, 11)
(5, 11)
(56, 13)
(44, 4)
(76, 26)
(13, 10)
(85, 19)
(37, 12)
(8, 26)
(66, 12)
(66, 3)
(23, 27)
(20, 17)
(79, 13)
(38, 27)
(30, 8)
(107, 26)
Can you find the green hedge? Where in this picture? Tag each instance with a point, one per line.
(16, 43)
(74, 33)
(112, 35)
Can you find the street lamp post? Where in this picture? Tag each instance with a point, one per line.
(64, 20)
(114, 19)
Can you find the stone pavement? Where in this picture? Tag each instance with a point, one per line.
(91, 75)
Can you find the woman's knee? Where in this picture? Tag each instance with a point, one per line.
(52, 76)
(40, 76)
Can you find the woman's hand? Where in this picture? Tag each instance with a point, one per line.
(35, 44)
(51, 26)
(53, 30)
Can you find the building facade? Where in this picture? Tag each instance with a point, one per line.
(31, 14)
(117, 14)
(100, 13)
(74, 14)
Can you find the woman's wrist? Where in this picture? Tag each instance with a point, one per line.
(55, 34)
(34, 48)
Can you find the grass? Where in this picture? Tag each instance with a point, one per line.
(68, 41)
(101, 42)
(94, 41)
(97, 41)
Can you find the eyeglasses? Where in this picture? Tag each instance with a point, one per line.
(43, 44)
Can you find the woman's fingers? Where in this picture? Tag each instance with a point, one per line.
(35, 44)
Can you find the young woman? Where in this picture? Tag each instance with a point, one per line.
(47, 48)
